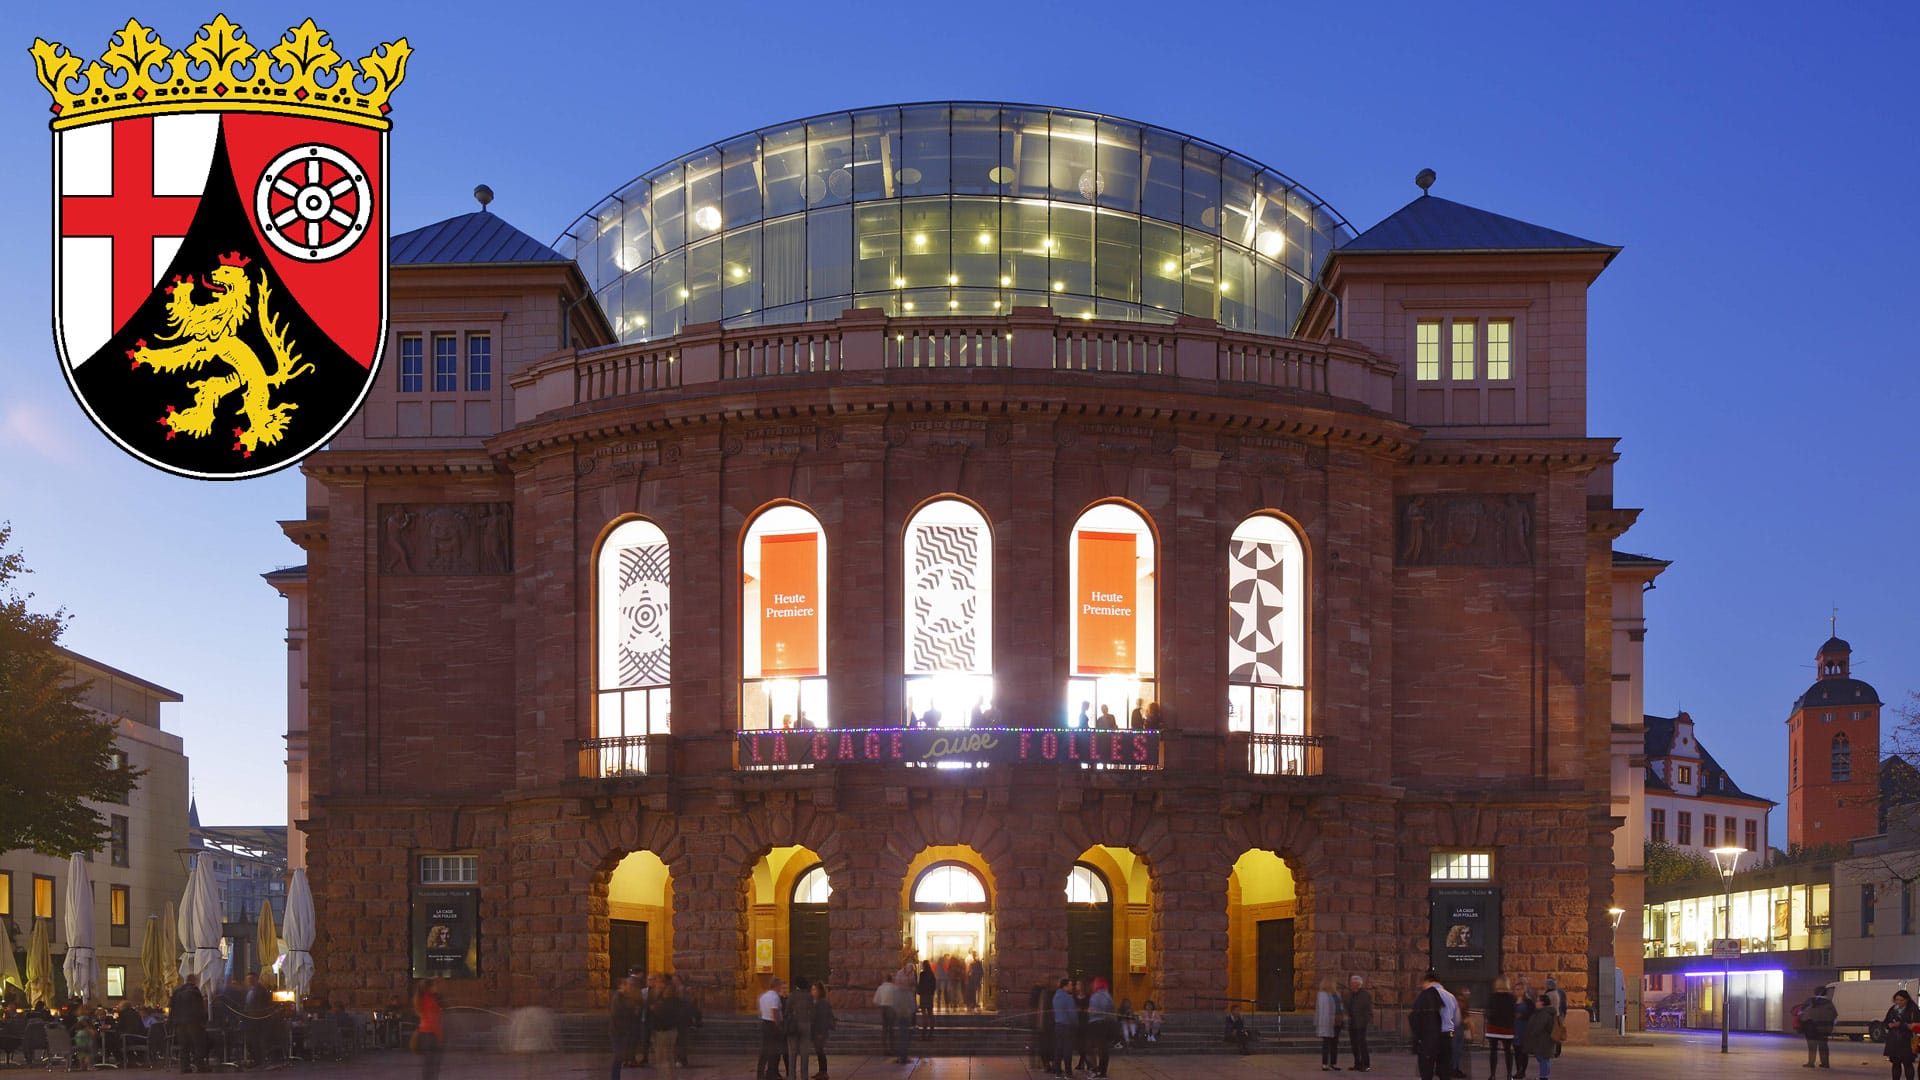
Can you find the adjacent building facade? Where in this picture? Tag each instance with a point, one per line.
(966, 530)
(1691, 802)
(1833, 747)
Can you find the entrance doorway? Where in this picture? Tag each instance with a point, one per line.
(639, 917)
(952, 926)
(1275, 952)
(626, 950)
(1089, 924)
(1261, 943)
(808, 955)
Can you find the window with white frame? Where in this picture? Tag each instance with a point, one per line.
(1426, 350)
(1461, 866)
(479, 363)
(446, 363)
(116, 981)
(412, 363)
(783, 640)
(1480, 349)
(948, 647)
(1111, 623)
(1085, 885)
(634, 669)
(449, 869)
(1266, 641)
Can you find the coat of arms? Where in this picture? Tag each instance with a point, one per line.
(220, 240)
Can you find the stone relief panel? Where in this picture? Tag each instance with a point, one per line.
(1464, 530)
(443, 539)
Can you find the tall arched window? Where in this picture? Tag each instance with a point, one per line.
(634, 668)
(1842, 759)
(949, 615)
(1113, 620)
(783, 606)
(813, 886)
(1266, 642)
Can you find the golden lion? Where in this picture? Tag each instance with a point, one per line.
(209, 332)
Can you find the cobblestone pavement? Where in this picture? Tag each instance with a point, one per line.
(1652, 1057)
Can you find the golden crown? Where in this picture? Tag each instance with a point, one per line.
(221, 71)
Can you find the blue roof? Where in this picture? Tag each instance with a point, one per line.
(478, 237)
(1429, 223)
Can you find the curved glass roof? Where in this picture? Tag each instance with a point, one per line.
(958, 208)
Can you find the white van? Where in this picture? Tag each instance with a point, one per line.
(1863, 1005)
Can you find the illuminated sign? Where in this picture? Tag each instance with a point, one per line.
(889, 746)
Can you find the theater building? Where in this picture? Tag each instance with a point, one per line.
(966, 529)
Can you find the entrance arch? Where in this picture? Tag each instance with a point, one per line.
(787, 890)
(1109, 894)
(1262, 902)
(639, 917)
(948, 906)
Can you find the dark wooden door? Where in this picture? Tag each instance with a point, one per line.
(1090, 941)
(626, 950)
(1275, 957)
(807, 954)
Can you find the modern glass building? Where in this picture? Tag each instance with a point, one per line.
(955, 208)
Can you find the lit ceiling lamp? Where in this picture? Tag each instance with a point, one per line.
(708, 218)
(1092, 185)
(1000, 174)
(1270, 243)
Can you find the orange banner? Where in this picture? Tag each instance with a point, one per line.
(1105, 604)
(790, 604)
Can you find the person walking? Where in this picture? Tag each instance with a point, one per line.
(668, 1016)
(1500, 1021)
(796, 1018)
(1462, 1034)
(819, 1027)
(773, 1040)
(926, 987)
(623, 1022)
(1100, 1025)
(1423, 1022)
(1536, 1039)
(187, 1016)
(883, 999)
(1040, 1005)
(903, 1014)
(1900, 1021)
(1523, 1008)
(976, 979)
(1816, 1023)
(431, 1035)
(1328, 1017)
(1065, 1018)
(1359, 1019)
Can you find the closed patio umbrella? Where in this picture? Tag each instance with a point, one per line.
(153, 963)
(9, 969)
(40, 964)
(200, 929)
(297, 973)
(80, 966)
(269, 942)
(169, 952)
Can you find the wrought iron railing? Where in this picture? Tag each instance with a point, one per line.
(627, 755)
(1283, 755)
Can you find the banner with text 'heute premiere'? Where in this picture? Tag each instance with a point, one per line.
(790, 604)
(1105, 604)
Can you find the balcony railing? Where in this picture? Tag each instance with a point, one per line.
(629, 755)
(1280, 755)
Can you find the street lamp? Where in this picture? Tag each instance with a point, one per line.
(1727, 860)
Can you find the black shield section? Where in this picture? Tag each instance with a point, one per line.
(129, 401)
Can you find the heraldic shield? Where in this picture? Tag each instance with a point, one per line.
(220, 241)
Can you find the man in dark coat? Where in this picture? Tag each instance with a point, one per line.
(1816, 1023)
(187, 1015)
(1429, 1041)
(1359, 1018)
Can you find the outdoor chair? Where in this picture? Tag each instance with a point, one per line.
(59, 1046)
(134, 1047)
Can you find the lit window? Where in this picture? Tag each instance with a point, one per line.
(479, 362)
(1684, 833)
(1463, 357)
(635, 670)
(1426, 350)
(949, 884)
(1686, 774)
(1085, 885)
(1499, 348)
(6, 894)
(116, 981)
(1111, 622)
(117, 761)
(1461, 866)
(813, 886)
(783, 654)
(1842, 760)
(42, 897)
(118, 921)
(1657, 826)
(1856, 974)
(446, 363)
(449, 869)
(1266, 643)
(948, 565)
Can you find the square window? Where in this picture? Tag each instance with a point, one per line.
(449, 869)
(1499, 348)
(1464, 360)
(116, 980)
(479, 362)
(446, 363)
(412, 363)
(1426, 350)
(1461, 866)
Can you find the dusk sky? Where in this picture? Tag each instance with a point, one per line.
(1757, 162)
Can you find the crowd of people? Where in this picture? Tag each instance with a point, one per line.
(652, 1019)
(1078, 1025)
(792, 1022)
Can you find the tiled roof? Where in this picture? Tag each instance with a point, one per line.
(1714, 781)
(1828, 693)
(1430, 223)
(1628, 558)
(473, 238)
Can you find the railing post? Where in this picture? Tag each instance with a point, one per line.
(1033, 331)
(863, 339)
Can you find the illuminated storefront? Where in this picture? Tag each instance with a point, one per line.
(1783, 919)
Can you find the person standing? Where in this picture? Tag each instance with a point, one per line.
(1816, 1023)
(1065, 1017)
(1099, 1028)
(1523, 1008)
(976, 979)
(925, 988)
(623, 1022)
(1900, 1021)
(796, 1017)
(883, 997)
(667, 1016)
(256, 1013)
(1359, 1019)
(1556, 997)
(1328, 1014)
(1462, 1034)
(1501, 1020)
(773, 1040)
(819, 1027)
(1082, 997)
(903, 1014)
(432, 1032)
(1536, 1039)
(1423, 1021)
(187, 1015)
(1449, 1023)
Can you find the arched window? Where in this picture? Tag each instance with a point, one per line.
(949, 887)
(1085, 885)
(949, 615)
(783, 605)
(813, 886)
(1266, 642)
(1842, 759)
(634, 668)
(1113, 621)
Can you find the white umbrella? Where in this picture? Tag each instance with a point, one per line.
(200, 928)
(296, 971)
(9, 970)
(80, 964)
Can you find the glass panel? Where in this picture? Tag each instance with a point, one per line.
(1201, 185)
(1118, 153)
(1238, 223)
(876, 154)
(783, 261)
(1236, 288)
(829, 160)
(1116, 260)
(636, 233)
(703, 281)
(1270, 281)
(1070, 250)
(669, 294)
(1072, 150)
(740, 202)
(1027, 152)
(878, 239)
(1023, 252)
(668, 203)
(927, 241)
(785, 165)
(949, 885)
(1202, 258)
(704, 196)
(976, 243)
(975, 150)
(829, 252)
(742, 271)
(1161, 162)
(1163, 266)
(923, 145)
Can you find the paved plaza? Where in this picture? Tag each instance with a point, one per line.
(1658, 1057)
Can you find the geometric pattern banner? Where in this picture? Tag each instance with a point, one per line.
(645, 644)
(1257, 612)
(948, 609)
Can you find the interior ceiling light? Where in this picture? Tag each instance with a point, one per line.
(1270, 243)
(908, 175)
(1059, 286)
(707, 217)
(1092, 185)
(1000, 174)
(953, 279)
(920, 239)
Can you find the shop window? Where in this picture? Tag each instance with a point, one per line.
(783, 640)
(634, 668)
(479, 362)
(412, 363)
(1266, 643)
(1113, 622)
(948, 647)
(1461, 866)
(449, 869)
(1684, 835)
(1842, 760)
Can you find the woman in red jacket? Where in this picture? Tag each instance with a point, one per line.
(430, 1035)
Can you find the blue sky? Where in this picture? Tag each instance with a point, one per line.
(1757, 163)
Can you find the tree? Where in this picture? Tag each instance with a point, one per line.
(55, 753)
(1667, 864)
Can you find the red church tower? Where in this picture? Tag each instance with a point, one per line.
(1833, 746)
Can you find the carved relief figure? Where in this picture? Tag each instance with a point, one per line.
(394, 556)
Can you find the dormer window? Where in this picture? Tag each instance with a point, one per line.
(1686, 774)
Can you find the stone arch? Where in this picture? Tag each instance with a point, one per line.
(1299, 840)
(777, 823)
(610, 838)
(1121, 822)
